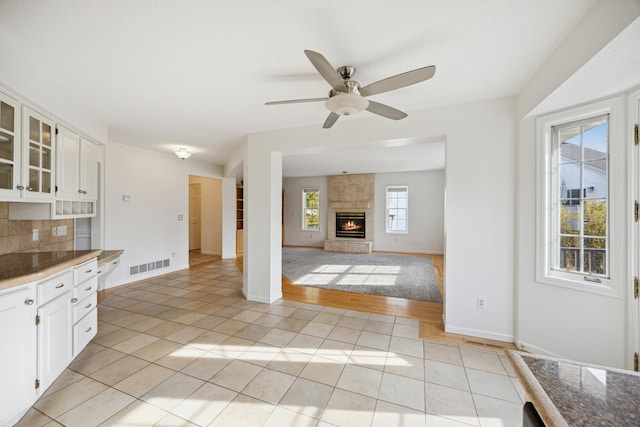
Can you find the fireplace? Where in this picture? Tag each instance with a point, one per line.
(350, 224)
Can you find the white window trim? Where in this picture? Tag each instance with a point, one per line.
(304, 206)
(386, 208)
(615, 284)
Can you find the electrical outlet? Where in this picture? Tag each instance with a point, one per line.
(35, 234)
(61, 230)
(482, 303)
(180, 217)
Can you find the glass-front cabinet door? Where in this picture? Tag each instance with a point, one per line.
(37, 149)
(9, 146)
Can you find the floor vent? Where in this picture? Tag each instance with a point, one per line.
(484, 344)
(148, 266)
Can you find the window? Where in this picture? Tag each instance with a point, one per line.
(580, 179)
(581, 199)
(310, 209)
(397, 208)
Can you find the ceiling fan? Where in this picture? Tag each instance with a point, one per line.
(347, 97)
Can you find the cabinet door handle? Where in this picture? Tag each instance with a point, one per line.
(89, 288)
(88, 271)
(88, 305)
(88, 330)
(30, 188)
(84, 192)
(20, 187)
(79, 191)
(29, 302)
(74, 299)
(61, 285)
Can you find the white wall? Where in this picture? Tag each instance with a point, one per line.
(147, 227)
(293, 233)
(553, 320)
(479, 221)
(426, 213)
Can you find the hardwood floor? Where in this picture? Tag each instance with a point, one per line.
(430, 314)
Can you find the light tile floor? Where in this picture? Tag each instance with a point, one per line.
(187, 349)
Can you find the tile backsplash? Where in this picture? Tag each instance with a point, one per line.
(17, 235)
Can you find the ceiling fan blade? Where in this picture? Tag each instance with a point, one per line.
(326, 70)
(296, 101)
(400, 80)
(385, 111)
(331, 119)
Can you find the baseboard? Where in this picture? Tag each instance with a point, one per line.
(524, 346)
(141, 277)
(263, 300)
(479, 334)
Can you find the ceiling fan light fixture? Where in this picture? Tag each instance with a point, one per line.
(183, 153)
(346, 104)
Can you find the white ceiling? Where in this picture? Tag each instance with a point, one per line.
(197, 73)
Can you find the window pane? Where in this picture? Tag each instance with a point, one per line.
(34, 129)
(34, 155)
(6, 176)
(569, 144)
(6, 146)
(595, 218)
(34, 180)
(6, 117)
(46, 134)
(581, 184)
(570, 219)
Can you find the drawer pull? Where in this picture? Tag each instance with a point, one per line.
(115, 263)
(29, 302)
(88, 330)
(88, 271)
(89, 288)
(61, 285)
(99, 272)
(88, 305)
(74, 299)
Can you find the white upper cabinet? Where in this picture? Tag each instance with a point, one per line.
(67, 163)
(88, 170)
(37, 155)
(76, 166)
(9, 147)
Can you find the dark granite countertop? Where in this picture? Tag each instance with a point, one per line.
(570, 393)
(20, 268)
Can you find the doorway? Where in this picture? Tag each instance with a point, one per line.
(205, 220)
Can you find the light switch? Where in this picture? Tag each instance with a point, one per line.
(180, 217)
(126, 197)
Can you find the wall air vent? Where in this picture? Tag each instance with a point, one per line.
(148, 267)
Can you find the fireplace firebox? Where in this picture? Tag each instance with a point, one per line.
(350, 224)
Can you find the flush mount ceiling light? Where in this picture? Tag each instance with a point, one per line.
(346, 104)
(183, 153)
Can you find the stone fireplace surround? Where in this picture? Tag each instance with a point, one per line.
(350, 193)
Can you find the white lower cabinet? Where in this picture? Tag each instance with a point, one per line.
(43, 327)
(55, 339)
(84, 330)
(18, 358)
(85, 300)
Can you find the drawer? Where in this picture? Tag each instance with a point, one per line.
(82, 290)
(81, 308)
(54, 286)
(84, 331)
(85, 271)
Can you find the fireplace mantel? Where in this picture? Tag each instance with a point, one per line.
(350, 205)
